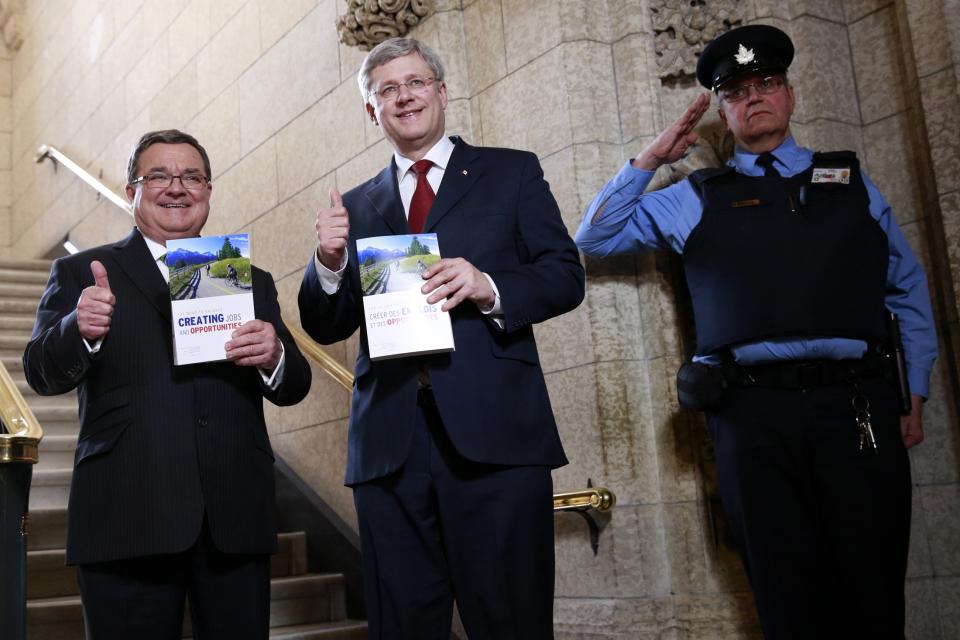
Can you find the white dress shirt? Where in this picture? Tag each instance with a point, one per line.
(439, 155)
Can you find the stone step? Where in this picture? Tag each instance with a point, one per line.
(19, 305)
(29, 276)
(299, 601)
(24, 388)
(60, 428)
(49, 577)
(50, 488)
(55, 619)
(18, 322)
(339, 630)
(14, 341)
(47, 529)
(57, 415)
(55, 409)
(21, 290)
(12, 363)
(26, 264)
(291, 556)
(307, 598)
(56, 451)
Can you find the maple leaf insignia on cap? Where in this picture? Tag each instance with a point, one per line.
(744, 55)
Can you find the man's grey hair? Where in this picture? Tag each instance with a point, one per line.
(397, 48)
(167, 136)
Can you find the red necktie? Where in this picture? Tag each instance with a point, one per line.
(423, 197)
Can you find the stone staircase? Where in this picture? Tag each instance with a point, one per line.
(304, 606)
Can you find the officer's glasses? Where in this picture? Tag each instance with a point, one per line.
(765, 86)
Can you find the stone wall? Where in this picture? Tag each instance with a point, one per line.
(270, 92)
(11, 40)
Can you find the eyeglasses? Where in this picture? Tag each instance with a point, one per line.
(190, 181)
(391, 91)
(765, 86)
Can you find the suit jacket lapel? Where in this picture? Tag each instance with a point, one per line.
(137, 262)
(384, 194)
(460, 175)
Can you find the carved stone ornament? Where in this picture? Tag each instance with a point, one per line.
(367, 23)
(11, 23)
(682, 28)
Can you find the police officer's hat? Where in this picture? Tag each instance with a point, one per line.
(743, 50)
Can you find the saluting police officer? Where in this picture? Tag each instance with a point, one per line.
(793, 260)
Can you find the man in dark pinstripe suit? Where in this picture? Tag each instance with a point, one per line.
(172, 493)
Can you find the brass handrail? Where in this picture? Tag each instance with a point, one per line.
(314, 351)
(23, 431)
(45, 151)
(599, 498)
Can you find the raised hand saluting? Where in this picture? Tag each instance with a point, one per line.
(674, 141)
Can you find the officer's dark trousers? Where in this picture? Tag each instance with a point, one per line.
(445, 528)
(823, 528)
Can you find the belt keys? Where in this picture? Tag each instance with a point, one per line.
(861, 408)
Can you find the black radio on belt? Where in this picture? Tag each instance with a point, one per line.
(895, 352)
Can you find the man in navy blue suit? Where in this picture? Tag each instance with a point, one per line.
(450, 454)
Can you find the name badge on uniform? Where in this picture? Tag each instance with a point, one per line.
(823, 175)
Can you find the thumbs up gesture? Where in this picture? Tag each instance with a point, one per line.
(333, 228)
(95, 308)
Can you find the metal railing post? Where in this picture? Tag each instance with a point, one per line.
(14, 498)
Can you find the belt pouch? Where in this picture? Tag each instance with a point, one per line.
(700, 386)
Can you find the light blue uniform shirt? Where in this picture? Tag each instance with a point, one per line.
(622, 219)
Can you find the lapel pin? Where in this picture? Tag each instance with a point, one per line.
(464, 172)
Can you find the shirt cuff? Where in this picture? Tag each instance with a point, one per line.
(273, 380)
(631, 180)
(919, 381)
(329, 280)
(92, 348)
(496, 311)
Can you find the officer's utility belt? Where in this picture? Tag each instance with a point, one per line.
(700, 387)
(808, 374)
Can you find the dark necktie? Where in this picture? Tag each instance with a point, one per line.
(765, 160)
(423, 197)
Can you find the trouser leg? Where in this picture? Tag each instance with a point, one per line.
(810, 511)
(134, 598)
(497, 526)
(406, 580)
(229, 593)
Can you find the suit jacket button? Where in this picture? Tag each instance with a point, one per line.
(202, 422)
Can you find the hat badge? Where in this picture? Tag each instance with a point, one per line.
(744, 55)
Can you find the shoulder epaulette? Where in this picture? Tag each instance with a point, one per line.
(834, 156)
(701, 176)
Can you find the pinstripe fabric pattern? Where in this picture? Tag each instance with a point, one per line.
(159, 445)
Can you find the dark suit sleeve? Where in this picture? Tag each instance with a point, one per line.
(56, 359)
(328, 318)
(549, 280)
(296, 379)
